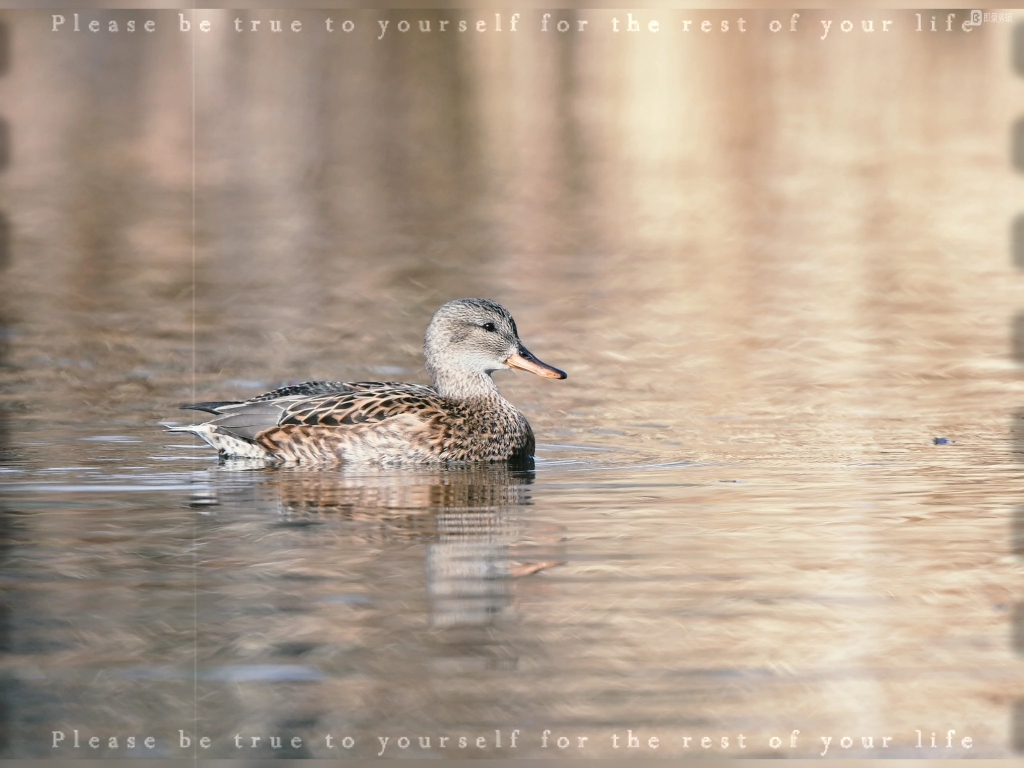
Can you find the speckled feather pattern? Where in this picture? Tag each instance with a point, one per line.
(392, 422)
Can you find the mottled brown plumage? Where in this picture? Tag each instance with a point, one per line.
(462, 417)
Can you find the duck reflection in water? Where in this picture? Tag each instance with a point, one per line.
(470, 518)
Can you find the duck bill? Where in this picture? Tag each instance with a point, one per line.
(525, 361)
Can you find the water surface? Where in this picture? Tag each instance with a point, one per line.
(774, 269)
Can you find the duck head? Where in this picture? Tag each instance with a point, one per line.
(468, 339)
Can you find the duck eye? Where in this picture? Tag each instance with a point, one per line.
(489, 327)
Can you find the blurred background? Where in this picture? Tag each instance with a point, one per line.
(776, 268)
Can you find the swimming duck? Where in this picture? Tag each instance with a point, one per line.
(462, 417)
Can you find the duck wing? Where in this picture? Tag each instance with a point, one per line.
(306, 389)
(302, 405)
(366, 402)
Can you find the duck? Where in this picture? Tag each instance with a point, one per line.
(462, 417)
